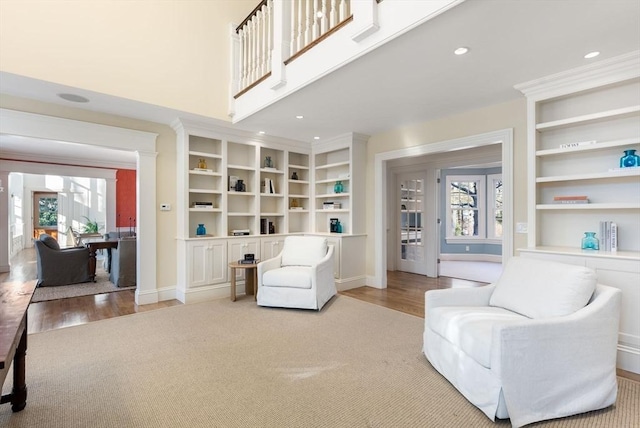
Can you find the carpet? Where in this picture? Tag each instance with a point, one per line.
(102, 285)
(234, 364)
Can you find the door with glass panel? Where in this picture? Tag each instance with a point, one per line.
(411, 256)
(45, 214)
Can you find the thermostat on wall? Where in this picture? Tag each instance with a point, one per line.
(165, 207)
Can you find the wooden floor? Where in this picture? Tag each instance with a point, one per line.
(404, 293)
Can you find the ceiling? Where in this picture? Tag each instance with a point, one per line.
(413, 78)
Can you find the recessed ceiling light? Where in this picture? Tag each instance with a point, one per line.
(316, 138)
(261, 132)
(299, 116)
(461, 50)
(592, 54)
(74, 98)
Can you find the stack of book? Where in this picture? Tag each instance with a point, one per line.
(331, 205)
(240, 232)
(581, 199)
(208, 205)
(608, 236)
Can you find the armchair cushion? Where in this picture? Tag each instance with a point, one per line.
(471, 327)
(49, 241)
(303, 250)
(543, 289)
(288, 276)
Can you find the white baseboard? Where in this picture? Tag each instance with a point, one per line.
(628, 359)
(371, 282)
(472, 257)
(146, 297)
(349, 283)
(166, 293)
(210, 292)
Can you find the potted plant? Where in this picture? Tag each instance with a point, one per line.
(91, 226)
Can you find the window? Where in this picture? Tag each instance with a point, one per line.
(494, 206)
(465, 216)
(48, 211)
(474, 211)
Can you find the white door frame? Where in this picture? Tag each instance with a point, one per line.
(503, 137)
(33, 125)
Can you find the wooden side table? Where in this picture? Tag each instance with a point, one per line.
(250, 279)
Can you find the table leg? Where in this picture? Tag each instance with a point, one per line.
(92, 264)
(249, 285)
(255, 283)
(19, 392)
(233, 284)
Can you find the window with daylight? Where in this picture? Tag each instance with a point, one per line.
(466, 214)
(475, 208)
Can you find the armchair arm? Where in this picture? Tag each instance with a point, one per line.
(568, 359)
(476, 296)
(268, 265)
(323, 271)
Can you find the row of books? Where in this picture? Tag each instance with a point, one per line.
(608, 236)
(331, 205)
(267, 186)
(579, 199)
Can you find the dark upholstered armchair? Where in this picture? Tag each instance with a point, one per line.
(123, 263)
(58, 266)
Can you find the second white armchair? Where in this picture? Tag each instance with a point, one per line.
(301, 276)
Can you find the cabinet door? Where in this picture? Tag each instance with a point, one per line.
(217, 262)
(198, 262)
(271, 247)
(239, 247)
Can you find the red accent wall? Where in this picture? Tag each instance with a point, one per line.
(125, 197)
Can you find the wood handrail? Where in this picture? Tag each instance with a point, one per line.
(251, 15)
(318, 40)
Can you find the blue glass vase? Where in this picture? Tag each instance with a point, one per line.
(338, 188)
(630, 159)
(201, 230)
(590, 242)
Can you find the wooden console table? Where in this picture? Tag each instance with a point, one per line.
(95, 245)
(14, 302)
(250, 280)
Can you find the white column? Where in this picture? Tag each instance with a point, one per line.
(4, 222)
(146, 291)
(283, 28)
(365, 19)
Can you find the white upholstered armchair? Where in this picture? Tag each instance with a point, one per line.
(301, 276)
(538, 344)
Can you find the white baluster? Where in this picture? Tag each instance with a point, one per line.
(308, 23)
(333, 19)
(324, 21)
(300, 25)
(295, 5)
(253, 54)
(243, 58)
(262, 41)
(315, 30)
(269, 34)
(343, 10)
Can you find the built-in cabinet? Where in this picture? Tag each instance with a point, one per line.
(249, 193)
(580, 124)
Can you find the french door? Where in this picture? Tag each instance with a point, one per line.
(411, 193)
(45, 214)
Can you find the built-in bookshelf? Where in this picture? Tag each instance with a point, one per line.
(298, 200)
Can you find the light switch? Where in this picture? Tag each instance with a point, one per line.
(165, 207)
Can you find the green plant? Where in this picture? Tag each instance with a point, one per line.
(91, 226)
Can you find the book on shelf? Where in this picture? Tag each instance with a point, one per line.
(267, 186)
(203, 169)
(578, 199)
(248, 262)
(331, 205)
(609, 236)
(202, 205)
(577, 144)
(240, 232)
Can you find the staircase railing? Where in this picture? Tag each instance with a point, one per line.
(307, 22)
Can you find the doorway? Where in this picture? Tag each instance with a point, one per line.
(45, 214)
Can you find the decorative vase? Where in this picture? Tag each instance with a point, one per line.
(294, 176)
(201, 230)
(630, 159)
(202, 164)
(268, 163)
(240, 187)
(590, 242)
(338, 188)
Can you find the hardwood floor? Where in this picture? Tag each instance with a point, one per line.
(404, 293)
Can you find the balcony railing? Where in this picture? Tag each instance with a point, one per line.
(290, 26)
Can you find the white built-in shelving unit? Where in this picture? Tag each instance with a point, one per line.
(579, 125)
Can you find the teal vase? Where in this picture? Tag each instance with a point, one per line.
(338, 188)
(630, 159)
(201, 230)
(590, 242)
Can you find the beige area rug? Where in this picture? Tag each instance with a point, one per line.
(234, 364)
(102, 285)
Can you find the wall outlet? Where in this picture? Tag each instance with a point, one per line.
(165, 207)
(522, 227)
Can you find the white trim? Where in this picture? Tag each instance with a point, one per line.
(471, 257)
(504, 137)
(481, 208)
(143, 143)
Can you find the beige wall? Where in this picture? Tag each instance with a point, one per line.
(507, 115)
(171, 53)
(165, 165)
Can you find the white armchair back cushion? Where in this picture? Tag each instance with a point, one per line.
(303, 250)
(543, 289)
